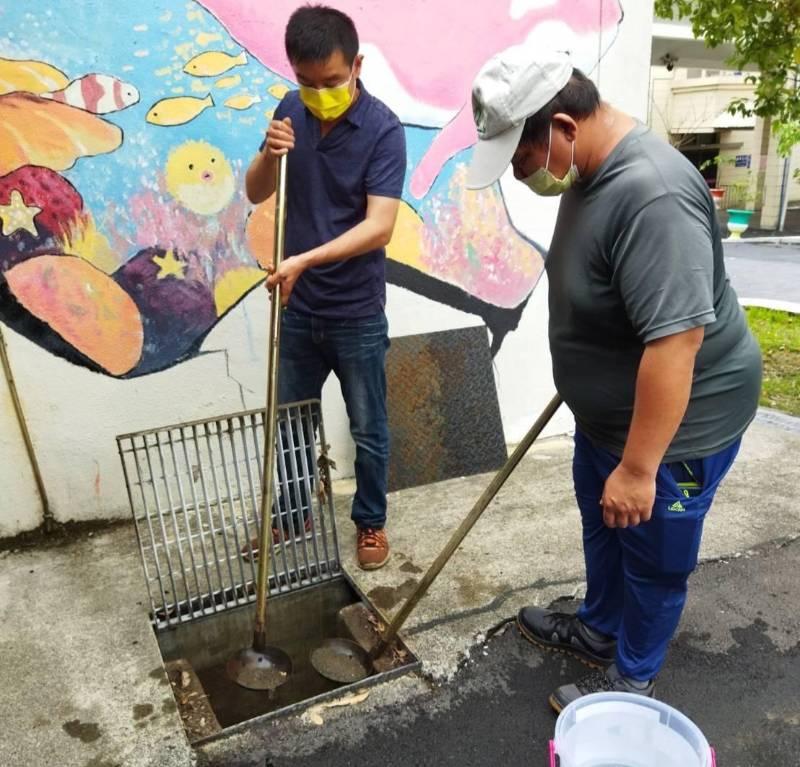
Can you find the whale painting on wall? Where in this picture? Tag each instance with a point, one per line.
(125, 235)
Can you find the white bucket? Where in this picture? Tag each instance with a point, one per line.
(618, 729)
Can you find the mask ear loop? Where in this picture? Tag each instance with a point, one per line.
(549, 147)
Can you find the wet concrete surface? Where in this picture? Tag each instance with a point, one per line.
(80, 665)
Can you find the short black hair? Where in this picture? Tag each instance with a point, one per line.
(316, 32)
(579, 98)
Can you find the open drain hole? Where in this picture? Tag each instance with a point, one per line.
(196, 653)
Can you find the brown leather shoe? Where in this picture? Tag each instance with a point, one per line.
(373, 548)
(276, 539)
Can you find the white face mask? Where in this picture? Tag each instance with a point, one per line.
(543, 182)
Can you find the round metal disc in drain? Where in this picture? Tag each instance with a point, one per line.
(264, 669)
(341, 660)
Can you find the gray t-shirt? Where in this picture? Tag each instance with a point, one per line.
(636, 256)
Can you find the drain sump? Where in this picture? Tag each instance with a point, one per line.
(298, 623)
(194, 490)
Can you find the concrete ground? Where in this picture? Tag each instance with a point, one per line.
(82, 680)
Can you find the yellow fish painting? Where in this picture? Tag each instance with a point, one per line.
(242, 101)
(278, 91)
(178, 111)
(30, 76)
(228, 82)
(213, 63)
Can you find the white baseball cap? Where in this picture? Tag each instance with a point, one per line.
(511, 86)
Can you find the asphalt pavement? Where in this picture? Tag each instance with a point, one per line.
(764, 270)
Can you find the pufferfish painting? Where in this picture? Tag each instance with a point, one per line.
(200, 177)
(125, 233)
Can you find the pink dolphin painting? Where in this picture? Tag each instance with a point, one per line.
(421, 56)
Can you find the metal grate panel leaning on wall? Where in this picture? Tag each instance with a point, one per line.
(195, 490)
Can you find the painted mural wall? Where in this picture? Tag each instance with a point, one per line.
(130, 259)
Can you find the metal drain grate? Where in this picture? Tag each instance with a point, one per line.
(195, 494)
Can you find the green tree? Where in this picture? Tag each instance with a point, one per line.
(765, 35)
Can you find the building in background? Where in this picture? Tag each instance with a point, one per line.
(690, 91)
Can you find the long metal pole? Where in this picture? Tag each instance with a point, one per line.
(784, 198)
(463, 529)
(270, 417)
(48, 518)
(783, 205)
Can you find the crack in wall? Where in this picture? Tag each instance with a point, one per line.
(242, 387)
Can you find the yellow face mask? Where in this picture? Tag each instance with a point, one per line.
(327, 104)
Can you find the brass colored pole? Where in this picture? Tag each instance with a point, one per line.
(270, 418)
(49, 519)
(463, 529)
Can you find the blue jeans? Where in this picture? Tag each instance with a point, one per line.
(637, 576)
(355, 350)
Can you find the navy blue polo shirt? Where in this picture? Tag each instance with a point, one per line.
(327, 186)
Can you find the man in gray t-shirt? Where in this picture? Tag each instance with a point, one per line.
(650, 348)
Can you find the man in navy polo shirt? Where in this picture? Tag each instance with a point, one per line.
(347, 162)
